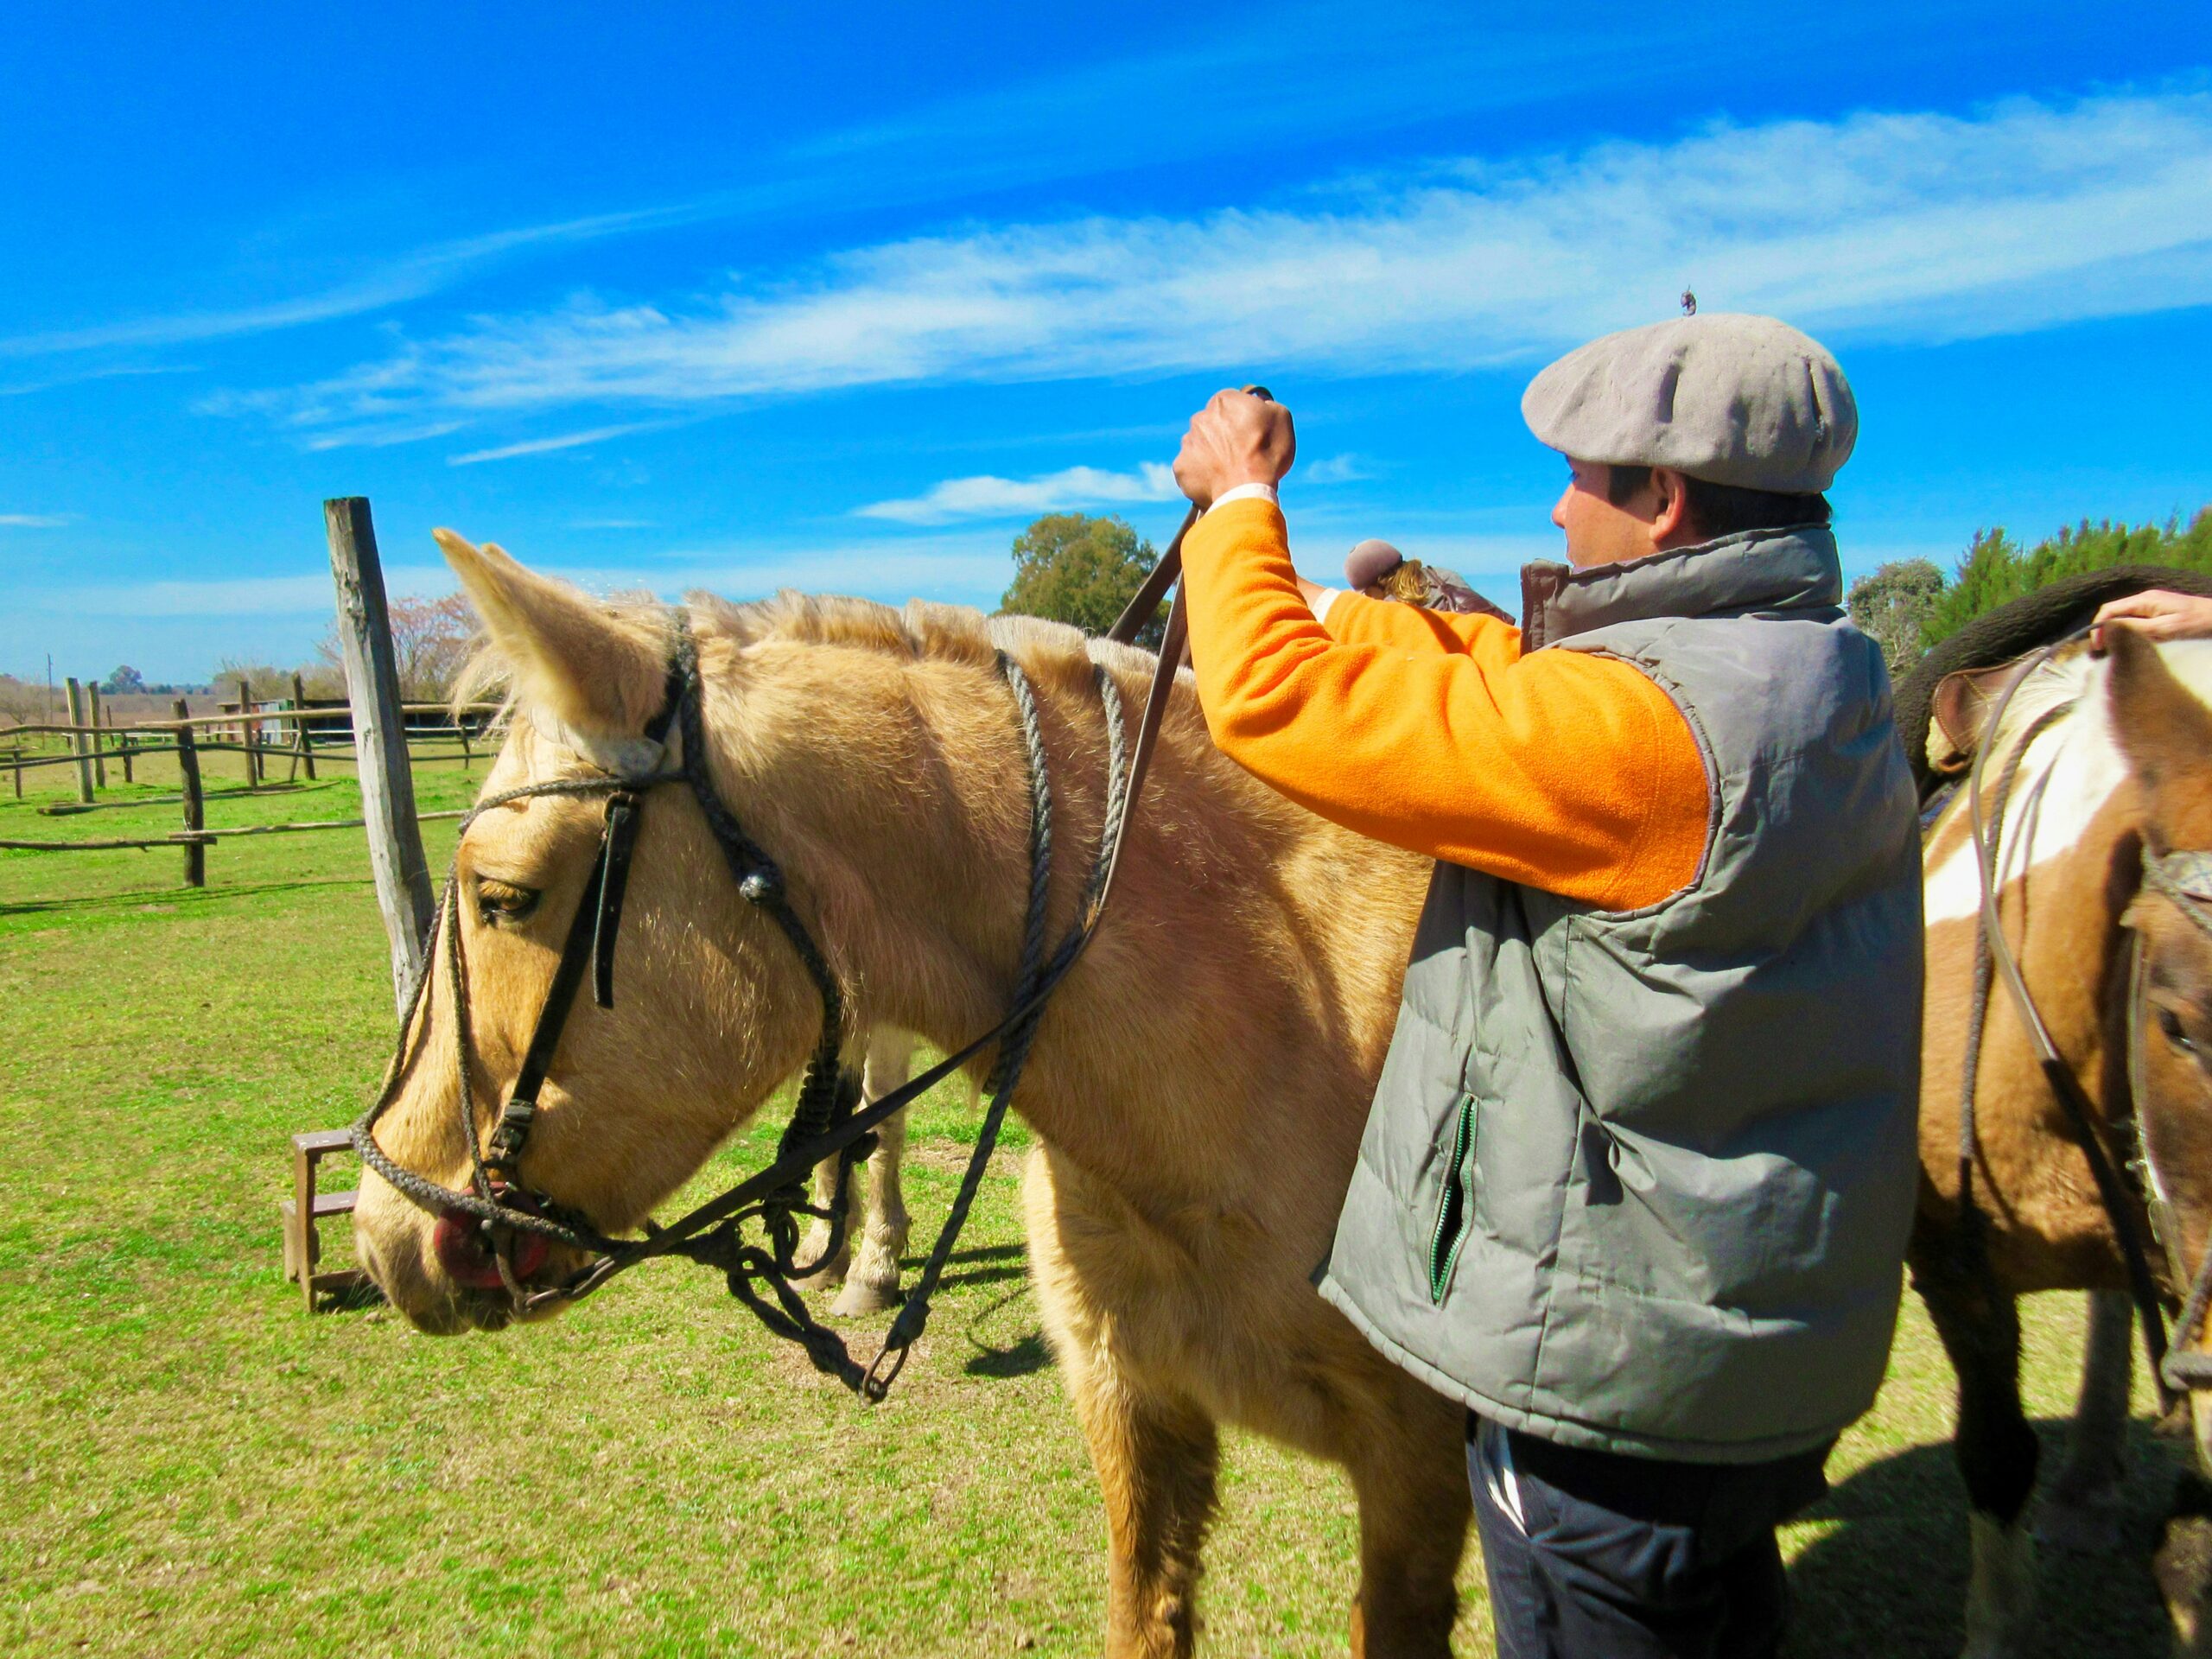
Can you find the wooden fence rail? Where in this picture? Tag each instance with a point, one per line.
(202, 837)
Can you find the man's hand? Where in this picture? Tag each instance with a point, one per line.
(2155, 614)
(1236, 439)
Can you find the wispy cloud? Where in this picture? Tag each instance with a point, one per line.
(35, 520)
(1877, 226)
(547, 446)
(300, 595)
(1333, 469)
(409, 276)
(988, 496)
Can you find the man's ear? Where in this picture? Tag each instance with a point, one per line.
(589, 674)
(2166, 735)
(1671, 525)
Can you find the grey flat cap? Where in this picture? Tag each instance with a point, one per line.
(1728, 397)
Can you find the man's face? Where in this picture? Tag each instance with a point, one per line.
(1598, 532)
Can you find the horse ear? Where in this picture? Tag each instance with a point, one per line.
(2165, 731)
(586, 672)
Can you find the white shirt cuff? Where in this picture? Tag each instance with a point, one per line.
(1244, 493)
(1322, 601)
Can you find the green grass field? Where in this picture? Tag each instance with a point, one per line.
(190, 1464)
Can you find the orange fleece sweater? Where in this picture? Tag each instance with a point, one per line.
(1559, 770)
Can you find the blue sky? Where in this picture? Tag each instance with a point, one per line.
(744, 297)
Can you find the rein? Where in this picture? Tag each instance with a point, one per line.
(828, 1120)
(2184, 878)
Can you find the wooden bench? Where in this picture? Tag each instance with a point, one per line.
(306, 1208)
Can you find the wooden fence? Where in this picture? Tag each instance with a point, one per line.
(378, 720)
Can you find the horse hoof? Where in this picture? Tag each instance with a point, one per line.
(859, 1297)
(2092, 1527)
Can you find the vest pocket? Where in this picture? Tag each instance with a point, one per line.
(1452, 1206)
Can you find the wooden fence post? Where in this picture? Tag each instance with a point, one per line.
(195, 816)
(301, 727)
(124, 745)
(402, 874)
(19, 772)
(246, 734)
(77, 741)
(99, 749)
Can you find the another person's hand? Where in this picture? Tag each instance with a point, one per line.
(1236, 439)
(2157, 613)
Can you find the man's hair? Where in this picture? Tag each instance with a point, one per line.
(1722, 509)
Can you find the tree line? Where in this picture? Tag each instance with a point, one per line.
(1908, 605)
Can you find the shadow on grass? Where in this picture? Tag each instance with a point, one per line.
(172, 897)
(1024, 1359)
(1891, 1579)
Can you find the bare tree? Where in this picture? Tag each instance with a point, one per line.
(430, 640)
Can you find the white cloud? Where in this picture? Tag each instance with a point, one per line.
(394, 281)
(1876, 227)
(35, 520)
(986, 497)
(547, 446)
(1333, 469)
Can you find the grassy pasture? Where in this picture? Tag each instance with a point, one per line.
(190, 1464)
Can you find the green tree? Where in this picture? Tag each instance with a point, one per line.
(125, 678)
(1073, 568)
(1995, 569)
(1890, 607)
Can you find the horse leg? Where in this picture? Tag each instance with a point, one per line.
(872, 1281)
(2082, 1511)
(832, 1272)
(1979, 1325)
(1411, 1480)
(1156, 1454)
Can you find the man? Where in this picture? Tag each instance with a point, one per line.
(1639, 1170)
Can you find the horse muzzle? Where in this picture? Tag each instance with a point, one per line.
(467, 1252)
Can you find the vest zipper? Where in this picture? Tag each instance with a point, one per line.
(1451, 1229)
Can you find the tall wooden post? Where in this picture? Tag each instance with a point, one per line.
(99, 747)
(301, 728)
(402, 874)
(77, 739)
(195, 815)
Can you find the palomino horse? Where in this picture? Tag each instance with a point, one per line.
(1197, 1088)
(2110, 757)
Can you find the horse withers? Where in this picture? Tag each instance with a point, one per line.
(2106, 758)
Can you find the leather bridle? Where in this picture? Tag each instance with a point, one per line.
(829, 1119)
(2185, 879)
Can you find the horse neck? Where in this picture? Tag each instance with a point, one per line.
(2068, 869)
(907, 809)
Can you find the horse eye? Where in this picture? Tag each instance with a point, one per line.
(498, 901)
(2170, 1023)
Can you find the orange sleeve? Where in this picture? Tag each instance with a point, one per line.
(1356, 619)
(1559, 770)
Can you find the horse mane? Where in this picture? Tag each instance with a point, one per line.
(921, 628)
(1053, 651)
(2012, 629)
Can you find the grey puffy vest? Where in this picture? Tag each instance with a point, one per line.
(1640, 1180)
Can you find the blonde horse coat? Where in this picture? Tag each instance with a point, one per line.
(1198, 1089)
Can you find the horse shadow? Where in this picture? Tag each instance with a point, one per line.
(1884, 1576)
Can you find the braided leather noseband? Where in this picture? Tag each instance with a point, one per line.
(829, 1119)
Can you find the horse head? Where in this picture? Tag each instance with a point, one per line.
(711, 1007)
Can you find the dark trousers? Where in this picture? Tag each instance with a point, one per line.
(1595, 1556)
